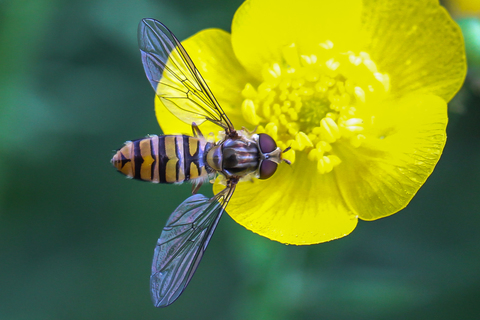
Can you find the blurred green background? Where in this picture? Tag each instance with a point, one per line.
(77, 238)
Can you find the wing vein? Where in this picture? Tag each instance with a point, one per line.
(172, 73)
(182, 244)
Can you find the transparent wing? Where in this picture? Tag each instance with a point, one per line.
(174, 77)
(182, 244)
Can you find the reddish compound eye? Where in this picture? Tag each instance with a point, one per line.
(267, 169)
(266, 143)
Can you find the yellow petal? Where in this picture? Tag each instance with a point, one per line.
(414, 41)
(404, 141)
(295, 206)
(261, 30)
(211, 51)
(417, 43)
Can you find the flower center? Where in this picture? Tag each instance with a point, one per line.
(310, 102)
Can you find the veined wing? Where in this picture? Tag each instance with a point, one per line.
(174, 77)
(182, 244)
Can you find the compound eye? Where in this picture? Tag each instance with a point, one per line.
(266, 143)
(267, 169)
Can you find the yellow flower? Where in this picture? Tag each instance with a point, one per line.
(358, 89)
(464, 7)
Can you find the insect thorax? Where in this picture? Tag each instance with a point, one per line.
(237, 157)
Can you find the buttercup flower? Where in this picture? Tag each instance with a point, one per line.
(358, 89)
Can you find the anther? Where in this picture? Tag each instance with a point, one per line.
(248, 111)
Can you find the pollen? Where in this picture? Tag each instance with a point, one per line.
(308, 101)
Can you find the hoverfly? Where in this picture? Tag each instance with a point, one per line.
(237, 156)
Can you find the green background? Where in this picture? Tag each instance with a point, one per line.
(77, 238)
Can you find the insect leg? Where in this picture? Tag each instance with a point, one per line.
(196, 131)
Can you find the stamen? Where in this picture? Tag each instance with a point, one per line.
(249, 91)
(248, 111)
(271, 129)
(303, 140)
(332, 64)
(309, 101)
(314, 155)
(360, 94)
(327, 45)
(329, 130)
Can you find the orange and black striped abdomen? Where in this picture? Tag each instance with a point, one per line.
(163, 159)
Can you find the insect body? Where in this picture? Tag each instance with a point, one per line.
(165, 159)
(239, 155)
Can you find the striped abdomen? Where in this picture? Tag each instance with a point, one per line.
(163, 159)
